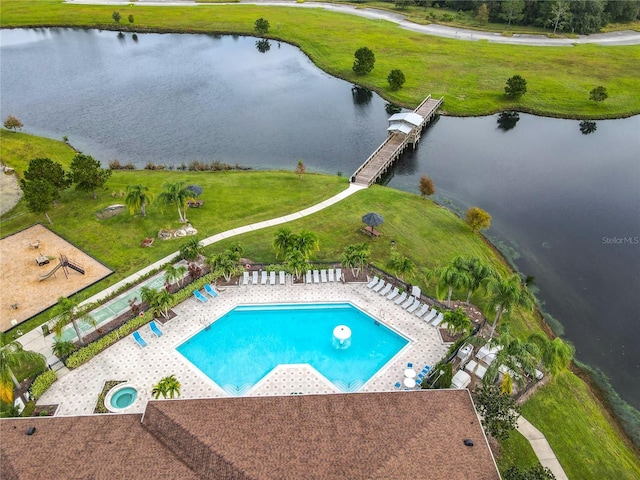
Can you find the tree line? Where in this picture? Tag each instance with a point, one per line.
(571, 16)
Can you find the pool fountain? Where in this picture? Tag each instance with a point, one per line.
(342, 336)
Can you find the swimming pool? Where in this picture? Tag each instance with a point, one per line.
(241, 347)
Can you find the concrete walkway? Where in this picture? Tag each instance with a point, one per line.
(541, 448)
(626, 37)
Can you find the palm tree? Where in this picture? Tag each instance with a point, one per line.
(478, 273)
(457, 322)
(296, 263)
(178, 195)
(225, 264)
(283, 241)
(401, 265)
(62, 348)
(521, 357)
(162, 302)
(167, 386)
(173, 274)
(68, 313)
(307, 242)
(192, 249)
(356, 256)
(148, 295)
(12, 356)
(450, 277)
(556, 354)
(138, 197)
(504, 295)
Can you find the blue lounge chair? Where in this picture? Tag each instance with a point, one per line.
(209, 289)
(139, 340)
(409, 365)
(398, 385)
(199, 296)
(155, 329)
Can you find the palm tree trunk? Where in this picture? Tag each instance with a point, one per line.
(469, 296)
(143, 209)
(13, 377)
(495, 322)
(180, 214)
(449, 297)
(77, 329)
(46, 214)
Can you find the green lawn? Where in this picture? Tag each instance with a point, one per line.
(425, 232)
(470, 75)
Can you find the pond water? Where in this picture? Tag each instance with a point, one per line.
(567, 202)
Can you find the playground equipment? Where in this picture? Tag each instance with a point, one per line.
(64, 264)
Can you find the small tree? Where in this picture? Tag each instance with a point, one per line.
(498, 410)
(49, 171)
(62, 348)
(457, 322)
(426, 186)
(365, 59)
(401, 265)
(12, 123)
(396, 79)
(478, 219)
(559, 13)
(167, 386)
(116, 17)
(261, 26)
(192, 249)
(39, 195)
(512, 10)
(87, 174)
(516, 87)
(300, 169)
(598, 94)
(483, 14)
(130, 18)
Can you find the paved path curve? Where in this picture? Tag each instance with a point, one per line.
(541, 448)
(626, 37)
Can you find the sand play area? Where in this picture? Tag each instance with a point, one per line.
(23, 294)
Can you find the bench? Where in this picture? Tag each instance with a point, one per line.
(195, 203)
(372, 232)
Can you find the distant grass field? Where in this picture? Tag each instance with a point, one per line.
(425, 232)
(470, 75)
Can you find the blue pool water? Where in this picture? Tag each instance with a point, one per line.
(124, 397)
(241, 347)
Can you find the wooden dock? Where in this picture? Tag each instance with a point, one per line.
(405, 129)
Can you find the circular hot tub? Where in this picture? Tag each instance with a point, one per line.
(120, 397)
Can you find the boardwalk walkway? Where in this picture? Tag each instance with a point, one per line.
(405, 129)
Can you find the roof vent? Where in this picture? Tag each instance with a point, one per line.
(468, 442)
(31, 430)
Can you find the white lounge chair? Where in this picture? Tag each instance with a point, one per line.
(282, 277)
(338, 274)
(415, 291)
(316, 276)
(408, 302)
(254, 277)
(379, 286)
(401, 298)
(323, 276)
(332, 277)
(263, 277)
(309, 280)
(422, 311)
(394, 293)
(373, 282)
(438, 320)
(245, 278)
(386, 289)
(272, 278)
(431, 315)
(414, 306)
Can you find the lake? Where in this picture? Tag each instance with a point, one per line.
(566, 203)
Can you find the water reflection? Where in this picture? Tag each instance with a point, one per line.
(263, 45)
(588, 126)
(507, 120)
(361, 95)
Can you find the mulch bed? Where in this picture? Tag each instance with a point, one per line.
(44, 410)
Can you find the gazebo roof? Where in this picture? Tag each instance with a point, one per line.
(409, 117)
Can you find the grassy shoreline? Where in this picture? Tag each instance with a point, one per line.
(470, 75)
(432, 237)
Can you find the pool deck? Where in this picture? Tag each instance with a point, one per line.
(76, 392)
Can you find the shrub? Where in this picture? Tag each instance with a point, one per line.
(364, 62)
(261, 26)
(42, 383)
(116, 17)
(396, 79)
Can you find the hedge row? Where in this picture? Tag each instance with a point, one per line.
(86, 353)
(42, 382)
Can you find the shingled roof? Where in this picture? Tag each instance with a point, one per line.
(366, 435)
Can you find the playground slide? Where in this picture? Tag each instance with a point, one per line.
(48, 274)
